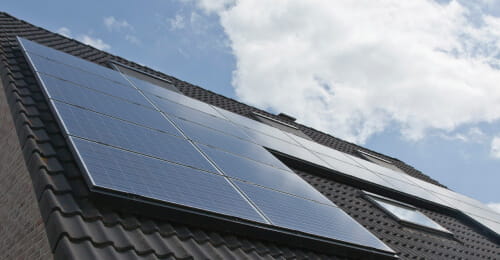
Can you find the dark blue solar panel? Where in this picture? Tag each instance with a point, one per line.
(115, 90)
(310, 217)
(104, 129)
(102, 103)
(283, 147)
(353, 170)
(67, 59)
(148, 177)
(274, 178)
(122, 152)
(198, 117)
(174, 96)
(255, 125)
(228, 143)
(86, 79)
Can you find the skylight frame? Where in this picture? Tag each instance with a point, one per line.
(377, 200)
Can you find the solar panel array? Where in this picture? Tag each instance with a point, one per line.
(133, 137)
(150, 118)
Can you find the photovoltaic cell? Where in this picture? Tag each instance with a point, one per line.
(67, 59)
(321, 149)
(86, 79)
(248, 170)
(104, 129)
(173, 96)
(283, 147)
(132, 173)
(310, 217)
(109, 105)
(380, 169)
(228, 143)
(193, 115)
(353, 170)
(255, 125)
(112, 89)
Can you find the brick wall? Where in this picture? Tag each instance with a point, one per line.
(22, 231)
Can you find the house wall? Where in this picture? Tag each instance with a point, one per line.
(22, 231)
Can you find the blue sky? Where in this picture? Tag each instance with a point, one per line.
(416, 80)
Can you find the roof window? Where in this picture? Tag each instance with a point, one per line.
(406, 214)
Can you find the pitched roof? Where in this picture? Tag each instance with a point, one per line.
(79, 226)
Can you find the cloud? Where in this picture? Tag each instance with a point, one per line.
(495, 147)
(472, 135)
(494, 206)
(176, 22)
(356, 68)
(95, 42)
(85, 38)
(64, 31)
(132, 39)
(112, 24)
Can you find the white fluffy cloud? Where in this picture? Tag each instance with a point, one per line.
(495, 147)
(352, 68)
(95, 42)
(113, 24)
(85, 38)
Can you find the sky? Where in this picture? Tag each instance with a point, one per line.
(415, 80)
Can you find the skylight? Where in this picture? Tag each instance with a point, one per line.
(406, 213)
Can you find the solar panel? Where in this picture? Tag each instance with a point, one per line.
(128, 172)
(116, 90)
(283, 147)
(67, 59)
(380, 169)
(227, 143)
(133, 148)
(109, 105)
(255, 125)
(321, 149)
(81, 77)
(103, 129)
(173, 96)
(492, 225)
(274, 178)
(310, 217)
(353, 170)
(198, 117)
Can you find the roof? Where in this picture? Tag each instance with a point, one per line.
(79, 226)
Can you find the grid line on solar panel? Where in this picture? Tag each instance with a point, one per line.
(242, 168)
(64, 58)
(154, 91)
(128, 172)
(68, 93)
(198, 117)
(89, 80)
(104, 129)
(118, 91)
(255, 125)
(353, 170)
(228, 143)
(310, 217)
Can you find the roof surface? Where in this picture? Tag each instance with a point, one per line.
(78, 227)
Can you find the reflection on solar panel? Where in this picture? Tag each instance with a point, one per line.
(155, 147)
(308, 216)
